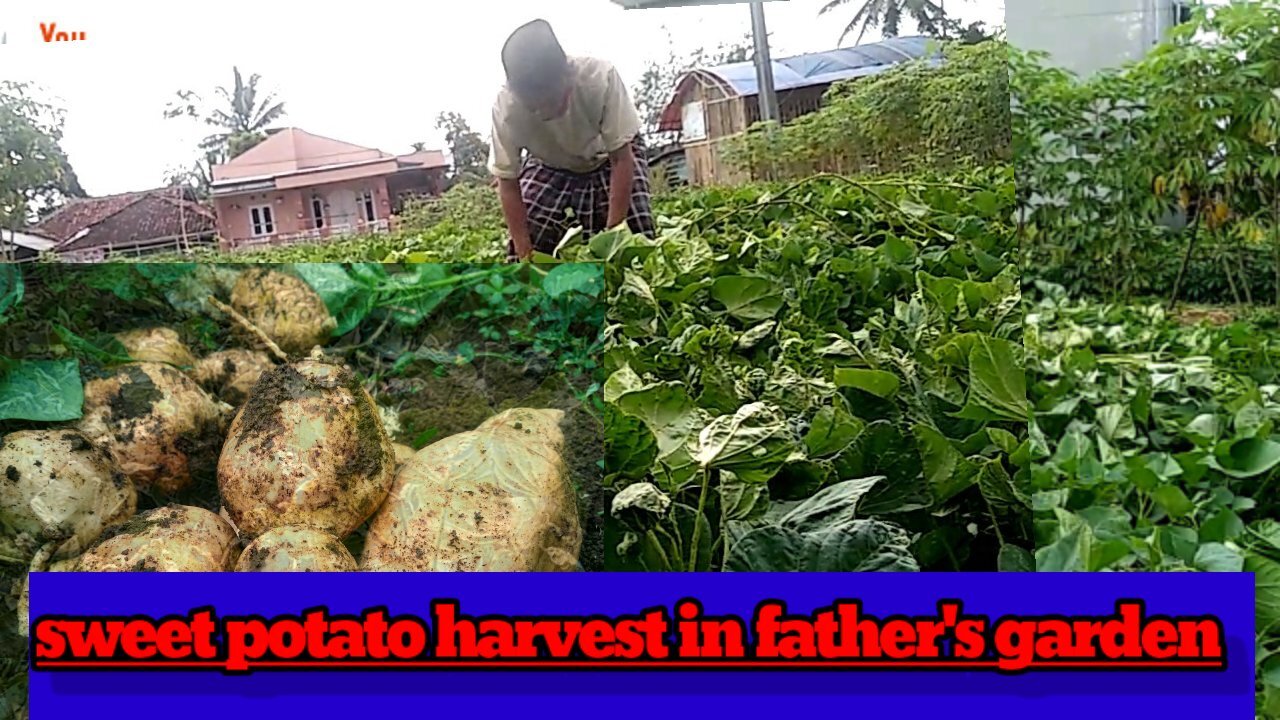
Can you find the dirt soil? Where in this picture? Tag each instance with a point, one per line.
(435, 404)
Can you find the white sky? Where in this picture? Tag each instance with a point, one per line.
(374, 73)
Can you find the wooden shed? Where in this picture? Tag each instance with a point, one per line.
(713, 104)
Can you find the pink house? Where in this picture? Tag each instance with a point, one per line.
(296, 186)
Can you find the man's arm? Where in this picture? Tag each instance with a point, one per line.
(622, 174)
(504, 164)
(517, 217)
(619, 126)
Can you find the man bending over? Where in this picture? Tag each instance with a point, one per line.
(565, 139)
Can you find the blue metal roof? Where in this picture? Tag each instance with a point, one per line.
(825, 67)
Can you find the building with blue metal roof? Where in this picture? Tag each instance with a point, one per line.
(713, 103)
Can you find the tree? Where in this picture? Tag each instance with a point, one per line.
(241, 118)
(930, 17)
(35, 174)
(199, 177)
(467, 148)
(658, 81)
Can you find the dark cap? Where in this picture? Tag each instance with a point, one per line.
(532, 56)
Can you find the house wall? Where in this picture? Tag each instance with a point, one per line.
(726, 117)
(291, 209)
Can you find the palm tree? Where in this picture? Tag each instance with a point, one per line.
(930, 16)
(242, 119)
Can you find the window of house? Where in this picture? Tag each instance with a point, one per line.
(317, 211)
(693, 121)
(263, 221)
(367, 204)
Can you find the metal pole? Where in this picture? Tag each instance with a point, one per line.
(764, 64)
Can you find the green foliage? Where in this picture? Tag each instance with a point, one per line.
(1162, 175)
(833, 365)
(919, 116)
(468, 151)
(1154, 447)
(34, 171)
(44, 390)
(930, 18)
(242, 118)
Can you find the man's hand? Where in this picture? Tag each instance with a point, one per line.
(621, 176)
(517, 218)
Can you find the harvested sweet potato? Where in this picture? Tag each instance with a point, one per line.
(296, 549)
(174, 538)
(497, 498)
(230, 374)
(403, 454)
(285, 308)
(307, 448)
(157, 344)
(159, 426)
(58, 487)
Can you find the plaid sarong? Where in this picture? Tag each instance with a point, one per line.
(549, 192)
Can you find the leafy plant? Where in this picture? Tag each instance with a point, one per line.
(1161, 177)
(821, 376)
(1154, 447)
(920, 116)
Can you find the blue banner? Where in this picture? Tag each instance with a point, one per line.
(982, 645)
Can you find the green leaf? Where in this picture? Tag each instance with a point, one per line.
(832, 429)
(859, 546)
(1178, 542)
(881, 449)
(947, 471)
(740, 501)
(877, 382)
(582, 278)
(997, 384)
(997, 487)
(1173, 500)
(1249, 457)
(755, 335)
(1225, 526)
(105, 349)
(667, 410)
(1005, 440)
(799, 480)
(348, 300)
(1069, 553)
(629, 448)
(750, 299)
(1115, 423)
(40, 390)
(1216, 557)
(1266, 591)
(753, 443)
(1015, 559)
(831, 506)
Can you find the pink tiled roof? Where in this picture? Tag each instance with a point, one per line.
(292, 150)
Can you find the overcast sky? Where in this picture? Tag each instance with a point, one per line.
(374, 73)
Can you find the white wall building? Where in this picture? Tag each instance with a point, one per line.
(1085, 36)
